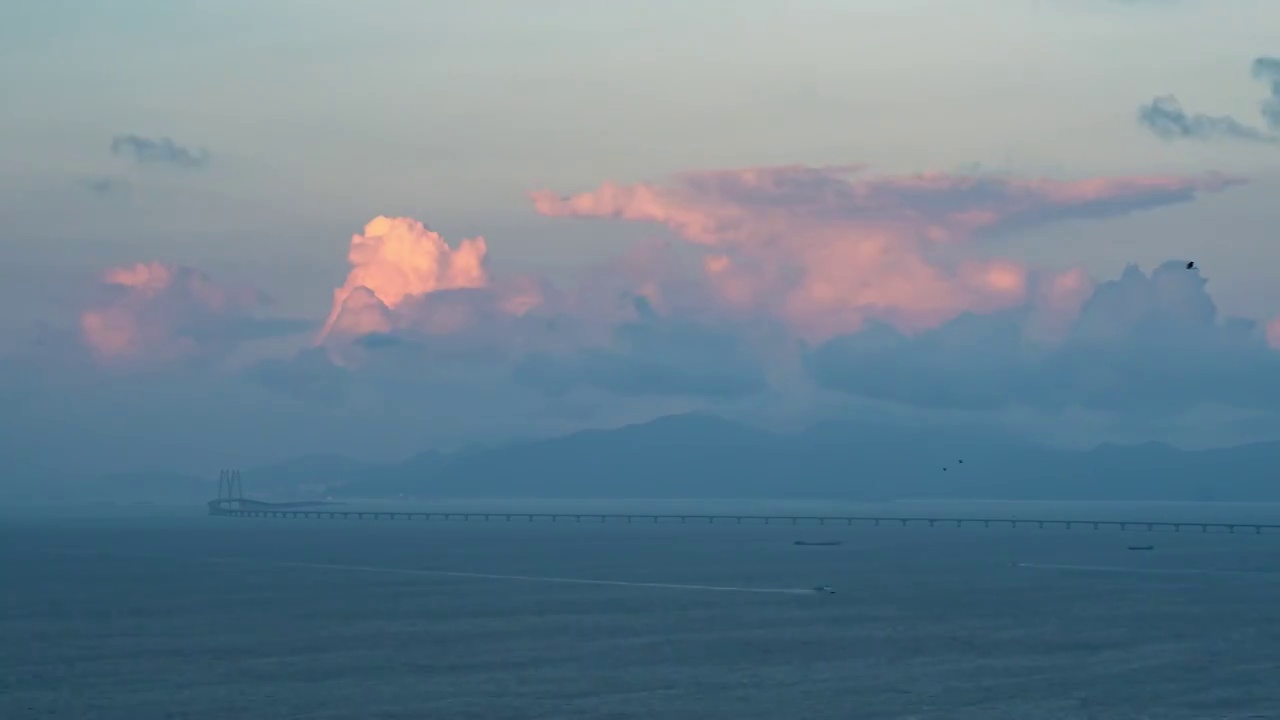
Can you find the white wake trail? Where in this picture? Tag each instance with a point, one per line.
(461, 574)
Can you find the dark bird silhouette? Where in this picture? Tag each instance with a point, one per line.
(1191, 264)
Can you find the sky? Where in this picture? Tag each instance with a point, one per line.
(238, 232)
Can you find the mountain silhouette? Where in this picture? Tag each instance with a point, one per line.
(704, 456)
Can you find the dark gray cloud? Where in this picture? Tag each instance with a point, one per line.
(654, 357)
(1267, 69)
(103, 185)
(649, 355)
(149, 151)
(1166, 117)
(1141, 345)
(308, 377)
(381, 341)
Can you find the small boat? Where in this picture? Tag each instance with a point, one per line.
(817, 542)
(1142, 547)
(825, 590)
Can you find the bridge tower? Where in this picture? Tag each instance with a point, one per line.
(230, 493)
(230, 486)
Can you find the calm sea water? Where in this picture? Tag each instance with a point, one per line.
(167, 613)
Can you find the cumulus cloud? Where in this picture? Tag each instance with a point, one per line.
(1166, 117)
(828, 251)
(153, 313)
(1141, 344)
(394, 261)
(162, 151)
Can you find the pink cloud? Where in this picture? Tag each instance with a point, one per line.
(395, 259)
(157, 312)
(826, 251)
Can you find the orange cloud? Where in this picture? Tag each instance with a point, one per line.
(395, 259)
(827, 252)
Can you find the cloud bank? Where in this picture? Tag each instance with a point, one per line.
(772, 286)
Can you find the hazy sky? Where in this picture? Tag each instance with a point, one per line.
(220, 220)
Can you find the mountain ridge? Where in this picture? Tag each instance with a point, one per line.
(699, 455)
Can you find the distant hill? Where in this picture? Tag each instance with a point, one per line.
(702, 456)
(679, 456)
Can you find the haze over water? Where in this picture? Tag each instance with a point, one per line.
(146, 612)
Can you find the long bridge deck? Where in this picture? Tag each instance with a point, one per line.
(255, 509)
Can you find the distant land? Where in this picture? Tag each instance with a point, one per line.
(701, 456)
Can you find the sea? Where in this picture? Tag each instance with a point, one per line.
(138, 612)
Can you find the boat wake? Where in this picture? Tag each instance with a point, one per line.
(462, 574)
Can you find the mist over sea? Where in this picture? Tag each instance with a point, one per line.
(163, 612)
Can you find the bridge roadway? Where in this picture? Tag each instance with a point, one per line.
(256, 509)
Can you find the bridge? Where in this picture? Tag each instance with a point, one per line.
(234, 504)
(231, 499)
